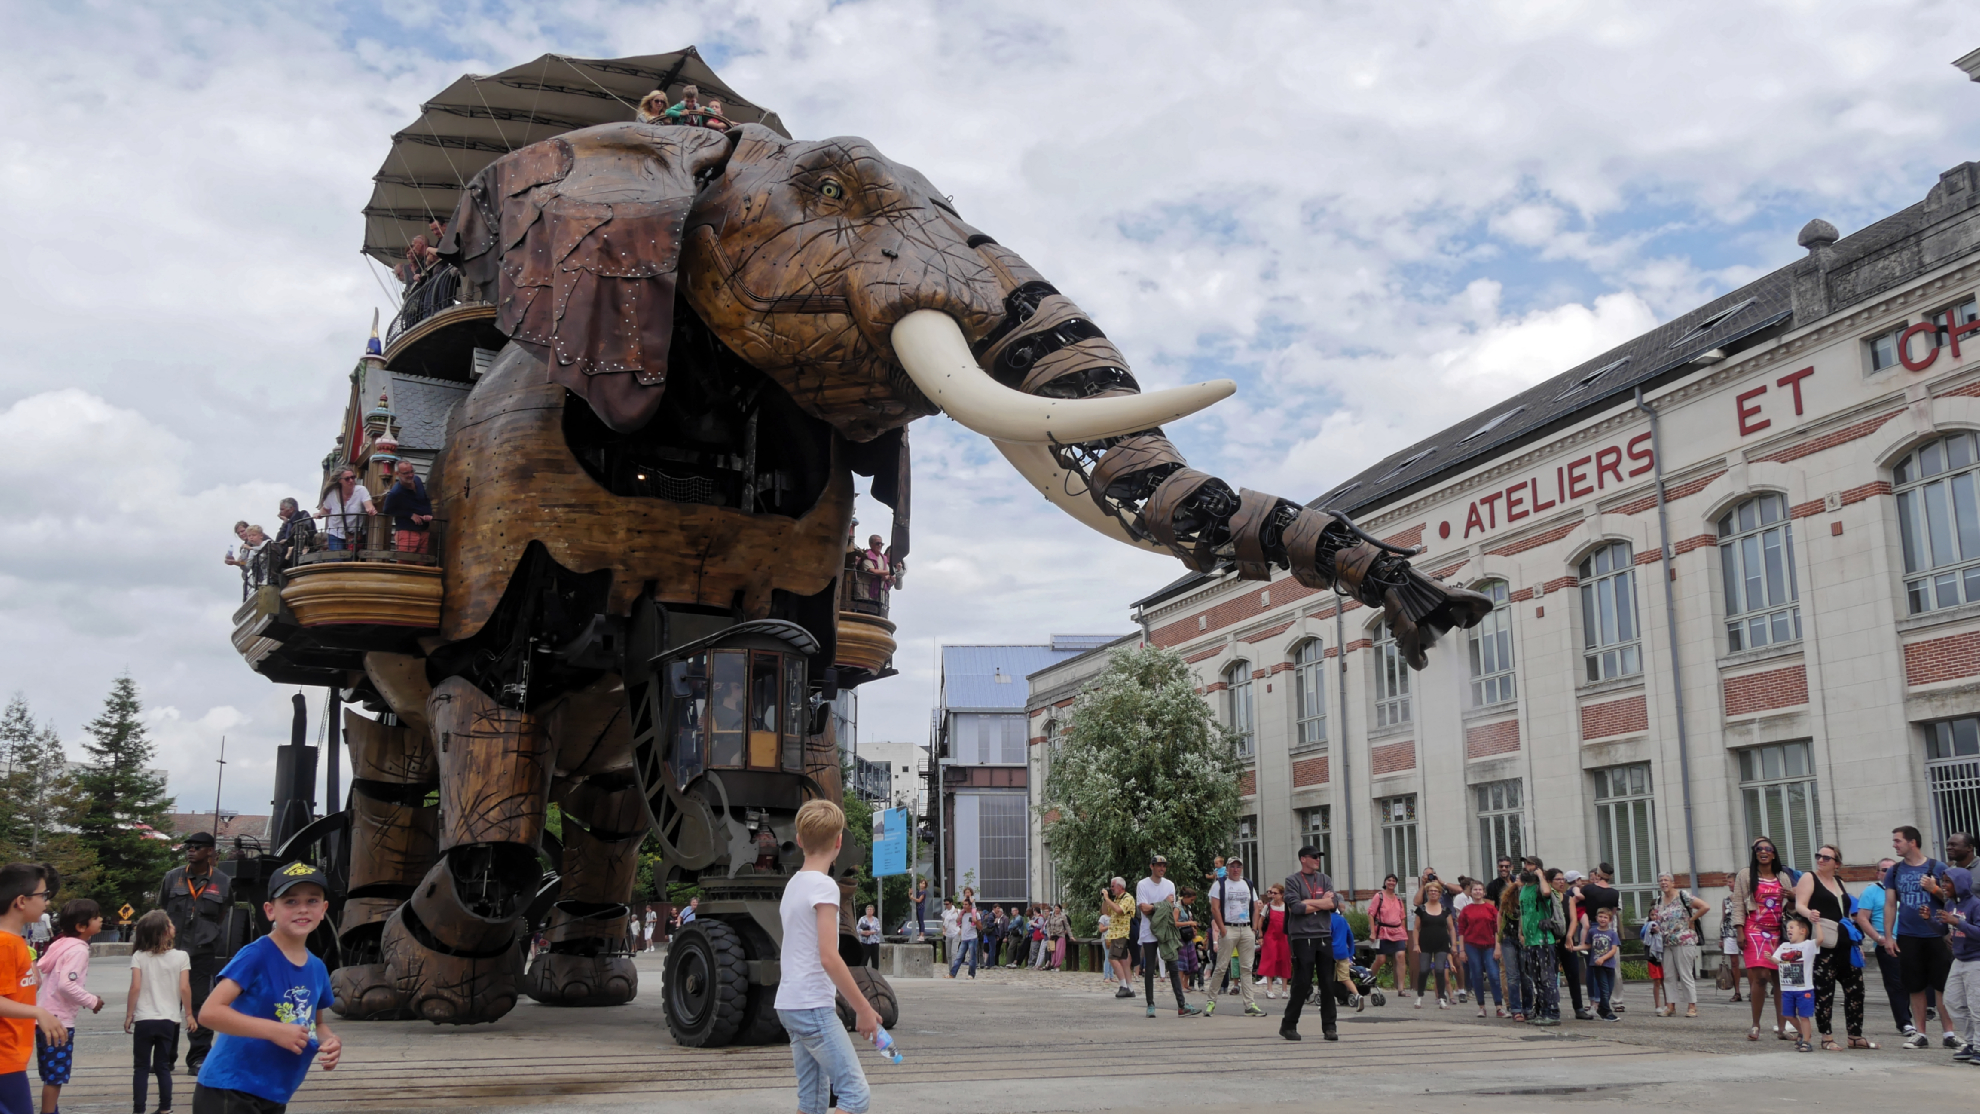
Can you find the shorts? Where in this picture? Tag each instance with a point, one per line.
(1923, 963)
(1117, 948)
(822, 1052)
(1344, 970)
(1797, 1003)
(412, 541)
(1656, 970)
(53, 1065)
(14, 1095)
(1391, 947)
(219, 1100)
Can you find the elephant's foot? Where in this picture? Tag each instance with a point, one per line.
(560, 979)
(449, 988)
(367, 992)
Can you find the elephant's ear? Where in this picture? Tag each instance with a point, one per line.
(576, 240)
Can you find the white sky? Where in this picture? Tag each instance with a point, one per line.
(1378, 218)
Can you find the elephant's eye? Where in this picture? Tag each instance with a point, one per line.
(832, 189)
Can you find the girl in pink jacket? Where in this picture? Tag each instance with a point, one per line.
(64, 970)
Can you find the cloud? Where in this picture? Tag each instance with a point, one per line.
(1379, 221)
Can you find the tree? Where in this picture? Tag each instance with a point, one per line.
(859, 825)
(36, 783)
(114, 792)
(1144, 769)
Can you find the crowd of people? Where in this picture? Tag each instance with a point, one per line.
(1529, 936)
(690, 111)
(346, 508)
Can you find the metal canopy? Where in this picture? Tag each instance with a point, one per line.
(477, 119)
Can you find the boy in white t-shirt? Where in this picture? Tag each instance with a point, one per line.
(1796, 958)
(811, 970)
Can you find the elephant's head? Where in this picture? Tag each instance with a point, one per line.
(853, 284)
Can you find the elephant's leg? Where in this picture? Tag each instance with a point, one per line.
(393, 843)
(454, 948)
(587, 963)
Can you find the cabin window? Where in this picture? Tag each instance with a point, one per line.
(688, 681)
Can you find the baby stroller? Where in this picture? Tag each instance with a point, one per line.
(1363, 981)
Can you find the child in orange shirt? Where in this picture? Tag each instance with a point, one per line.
(24, 892)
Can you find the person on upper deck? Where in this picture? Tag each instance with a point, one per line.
(344, 509)
(297, 535)
(411, 511)
(257, 560)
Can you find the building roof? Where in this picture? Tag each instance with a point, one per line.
(422, 405)
(1836, 274)
(991, 678)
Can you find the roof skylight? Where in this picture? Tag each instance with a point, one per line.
(1713, 321)
(1592, 376)
(1412, 459)
(1491, 425)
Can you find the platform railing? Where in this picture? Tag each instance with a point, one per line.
(372, 537)
(438, 289)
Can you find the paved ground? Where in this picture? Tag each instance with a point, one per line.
(1015, 1042)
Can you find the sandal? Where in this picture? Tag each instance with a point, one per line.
(1753, 1034)
(1829, 1045)
(1802, 1046)
(1693, 1011)
(1785, 1034)
(1860, 1042)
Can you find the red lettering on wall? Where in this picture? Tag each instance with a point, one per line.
(1516, 497)
(1576, 479)
(1487, 501)
(1608, 460)
(1560, 485)
(1647, 456)
(1958, 330)
(1793, 382)
(1904, 347)
(1747, 413)
(1474, 519)
(1538, 506)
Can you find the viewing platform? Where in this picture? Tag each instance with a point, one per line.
(866, 635)
(331, 606)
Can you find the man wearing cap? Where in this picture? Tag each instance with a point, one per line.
(1310, 931)
(1233, 904)
(1155, 898)
(197, 898)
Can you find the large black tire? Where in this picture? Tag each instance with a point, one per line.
(760, 1022)
(704, 986)
(879, 993)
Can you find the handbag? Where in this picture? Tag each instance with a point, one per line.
(1724, 979)
(1550, 921)
(1826, 933)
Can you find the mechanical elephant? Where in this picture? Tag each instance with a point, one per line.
(708, 334)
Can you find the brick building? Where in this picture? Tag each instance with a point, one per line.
(1804, 663)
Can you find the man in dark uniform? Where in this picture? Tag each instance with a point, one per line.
(197, 898)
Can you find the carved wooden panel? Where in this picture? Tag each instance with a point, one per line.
(494, 768)
(509, 478)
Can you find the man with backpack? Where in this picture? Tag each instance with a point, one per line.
(1915, 890)
(1233, 909)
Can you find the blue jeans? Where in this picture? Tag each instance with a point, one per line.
(1601, 984)
(1482, 969)
(334, 542)
(822, 1052)
(966, 948)
(1515, 999)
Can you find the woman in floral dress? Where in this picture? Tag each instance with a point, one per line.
(1762, 894)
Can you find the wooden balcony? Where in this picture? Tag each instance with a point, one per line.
(365, 593)
(866, 645)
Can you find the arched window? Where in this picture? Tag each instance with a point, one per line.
(1611, 642)
(1309, 695)
(1237, 705)
(1391, 679)
(1756, 550)
(1491, 650)
(1939, 520)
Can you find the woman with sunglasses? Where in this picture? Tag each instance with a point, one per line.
(1822, 896)
(345, 509)
(1761, 894)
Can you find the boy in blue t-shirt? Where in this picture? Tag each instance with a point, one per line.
(267, 1007)
(1604, 956)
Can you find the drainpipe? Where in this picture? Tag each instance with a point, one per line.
(1670, 622)
(1341, 752)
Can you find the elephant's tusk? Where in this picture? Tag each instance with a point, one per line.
(933, 352)
(1034, 462)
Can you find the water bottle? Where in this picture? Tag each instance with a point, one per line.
(883, 1041)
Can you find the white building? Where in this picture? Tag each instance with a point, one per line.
(907, 772)
(1804, 664)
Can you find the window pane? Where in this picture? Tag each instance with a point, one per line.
(1729, 565)
(1776, 574)
(729, 687)
(1938, 525)
(1908, 530)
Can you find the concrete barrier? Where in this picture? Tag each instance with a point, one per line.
(99, 951)
(907, 961)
